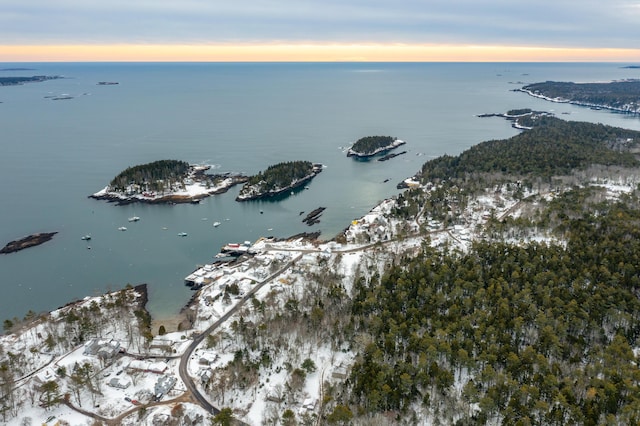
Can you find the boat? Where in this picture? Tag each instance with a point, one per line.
(86, 237)
(134, 219)
(216, 224)
(182, 234)
(122, 228)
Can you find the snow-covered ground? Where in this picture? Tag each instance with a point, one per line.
(125, 366)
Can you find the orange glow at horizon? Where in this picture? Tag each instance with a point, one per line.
(310, 53)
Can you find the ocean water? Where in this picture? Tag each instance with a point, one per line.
(237, 117)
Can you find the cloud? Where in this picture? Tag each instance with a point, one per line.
(562, 23)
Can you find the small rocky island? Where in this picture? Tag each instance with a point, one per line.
(166, 181)
(26, 242)
(619, 96)
(370, 146)
(278, 179)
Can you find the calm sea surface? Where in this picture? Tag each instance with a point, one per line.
(238, 117)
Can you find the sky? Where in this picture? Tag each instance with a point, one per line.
(320, 30)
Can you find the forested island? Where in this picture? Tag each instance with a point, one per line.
(166, 181)
(370, 146)
(12, 81)
(619, 96)
(278, 179)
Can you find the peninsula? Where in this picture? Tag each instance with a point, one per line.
(278, 179)
(372, 145)
(166, 181)
(26, 242)
(619, 96)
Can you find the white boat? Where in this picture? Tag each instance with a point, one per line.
(216, 224)
(86, 237)
(122, 228)
(182, 234)
(134, 219)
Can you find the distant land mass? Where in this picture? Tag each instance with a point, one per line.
(632, 67)
(12, 81)
(620, 96)
(17, 69)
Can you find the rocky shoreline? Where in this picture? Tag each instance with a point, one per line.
(121, 200)
(26, 242)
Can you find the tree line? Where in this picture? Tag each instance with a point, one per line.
(369, 144)
(616, 94)
(150, 173)
(552, 147)
(281, 175)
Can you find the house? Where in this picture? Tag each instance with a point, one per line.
(340, 372)
(101, 348)
(163, 386)
(119, 383)
(208, 358)
(308, 404)
(205, 376)
(109, 350)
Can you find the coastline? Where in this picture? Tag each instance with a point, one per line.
(578, 103)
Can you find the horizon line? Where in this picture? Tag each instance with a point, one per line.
(310, 52)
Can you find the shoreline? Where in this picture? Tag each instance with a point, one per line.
(578, 103)
(193, 193)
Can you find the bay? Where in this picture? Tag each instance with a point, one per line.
(239, 117)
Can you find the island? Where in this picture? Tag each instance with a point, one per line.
(166, 181)
(370, 146)
(26, 242)
(278, 179)
(12, 81)
(619, 96)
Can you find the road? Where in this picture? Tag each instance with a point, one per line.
(184, 359)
